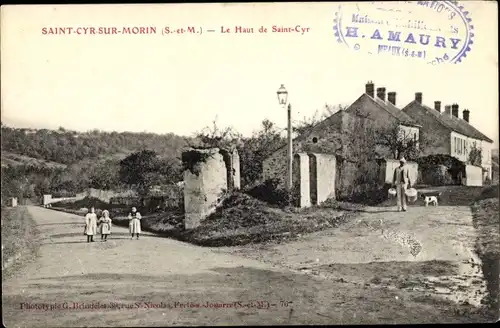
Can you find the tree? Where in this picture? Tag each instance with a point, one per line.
(145, 169)
(255, 149)
(400, 142)
(215, 137)
(137, 170)
(475, 156)
(105, 175)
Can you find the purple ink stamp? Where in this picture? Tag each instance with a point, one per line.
(435, 32)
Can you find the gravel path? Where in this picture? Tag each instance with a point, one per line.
(161, 282)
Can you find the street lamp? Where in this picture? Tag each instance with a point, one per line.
(282, 98)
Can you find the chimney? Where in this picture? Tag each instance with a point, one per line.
(466, 114)
(447, 109)
(381, 94)
(370, 89)
(418, 97)
(454, 110)
(391, 96)
(437, 106)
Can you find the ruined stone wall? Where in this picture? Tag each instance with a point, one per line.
(235, 161)
(300, 179)
(205, 181)
(325, 176)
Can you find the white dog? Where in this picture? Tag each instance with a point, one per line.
(430, 200)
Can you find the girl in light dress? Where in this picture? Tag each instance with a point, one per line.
(90, 225)
(105, 225)
(134, 223)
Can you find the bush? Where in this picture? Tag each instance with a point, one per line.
(437, 176)
(270, 192)
(440, 169)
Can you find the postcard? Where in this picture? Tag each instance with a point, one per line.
(214, 164)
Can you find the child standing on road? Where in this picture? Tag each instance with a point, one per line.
(134, 223)
(90, 225)
(105, 225)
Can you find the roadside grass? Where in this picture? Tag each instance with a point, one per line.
(486, 221)
(19, 239)
(240, 220)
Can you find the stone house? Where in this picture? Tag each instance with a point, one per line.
(450, 134)
(337, 135)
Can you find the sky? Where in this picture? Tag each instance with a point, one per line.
(181, 83)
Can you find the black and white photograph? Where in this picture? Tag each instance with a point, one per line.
(232, 164)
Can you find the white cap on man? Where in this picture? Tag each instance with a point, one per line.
(402, 160)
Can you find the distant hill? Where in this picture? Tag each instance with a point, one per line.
(70, 147)
(38, 161)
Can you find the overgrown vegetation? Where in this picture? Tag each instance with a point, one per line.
(19, 234)
(475, 156)
(240, 220)
(431, 174)
(486, 220)
(487, 224)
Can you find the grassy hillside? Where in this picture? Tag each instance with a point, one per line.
(11, 159)
(70, 147)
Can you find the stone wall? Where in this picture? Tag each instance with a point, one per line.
(13, 202)
(232, 162)
(103, 195)
(205, 182)
(235, 161)
(473, 176)
(301, 183)
(324, 175)
(48, 199)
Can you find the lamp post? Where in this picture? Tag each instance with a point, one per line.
(282, 98)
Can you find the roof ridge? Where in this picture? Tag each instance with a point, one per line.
(384, 106)
(462, 121)
(449, 120)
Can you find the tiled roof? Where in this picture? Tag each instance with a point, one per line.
(401, 116)
(455, 124)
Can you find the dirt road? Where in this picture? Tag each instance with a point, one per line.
(160, 282)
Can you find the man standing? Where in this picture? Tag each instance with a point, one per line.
(401, 181)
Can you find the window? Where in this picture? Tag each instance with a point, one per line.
(415, 137)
